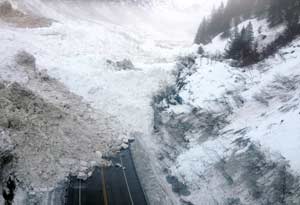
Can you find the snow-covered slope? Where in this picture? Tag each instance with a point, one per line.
(238, 129)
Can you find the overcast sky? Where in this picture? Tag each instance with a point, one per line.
(181, 18)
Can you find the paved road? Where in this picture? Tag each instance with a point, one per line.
(109, 186)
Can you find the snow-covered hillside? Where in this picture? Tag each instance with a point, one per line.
(236, 130)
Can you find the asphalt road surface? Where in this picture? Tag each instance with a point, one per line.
(109, 186)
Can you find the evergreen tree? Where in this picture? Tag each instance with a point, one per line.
(241, 46)
(202, 34)
(221, 18)
(233, 47)
(250, 33)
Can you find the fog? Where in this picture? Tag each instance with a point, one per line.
(163, 19)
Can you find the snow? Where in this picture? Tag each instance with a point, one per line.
(213, 80)
(76, 48)
(217, 45)
(262, 34)
(212, 75)
(277, 132)
(85, 36)
(64, 130)
(76, 56)
(273, 127)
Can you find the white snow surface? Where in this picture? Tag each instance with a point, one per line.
(85, 34)
(273, 124)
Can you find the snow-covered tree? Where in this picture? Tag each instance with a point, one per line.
(241, 46)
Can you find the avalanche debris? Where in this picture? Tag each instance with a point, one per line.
(47, 132)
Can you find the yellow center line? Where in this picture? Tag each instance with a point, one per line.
(104, 187)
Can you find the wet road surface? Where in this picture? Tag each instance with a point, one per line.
(109, 186)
